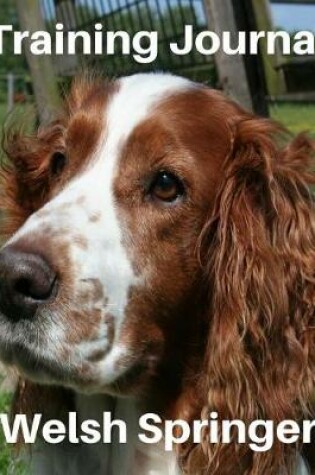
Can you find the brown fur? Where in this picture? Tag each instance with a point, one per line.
(258, 252)
(27, 182)
(249, 231)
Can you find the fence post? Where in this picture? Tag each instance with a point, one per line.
(65, 14)
(10, 91)
(274, 78)
(41, 67)
(231, 69)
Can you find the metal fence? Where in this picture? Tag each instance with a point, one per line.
(167, 17)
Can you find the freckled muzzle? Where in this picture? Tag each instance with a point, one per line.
(56, 325)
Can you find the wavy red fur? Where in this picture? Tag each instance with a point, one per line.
(257, 259)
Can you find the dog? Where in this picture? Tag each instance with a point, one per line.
(159, 257)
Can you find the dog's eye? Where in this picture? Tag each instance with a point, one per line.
(166, 187)
(58, 163)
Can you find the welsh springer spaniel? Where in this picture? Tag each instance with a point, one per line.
(160, 258)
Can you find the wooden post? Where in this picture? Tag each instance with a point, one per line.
(274, 77)
(65, 13)
(231, 69)
(10, 91)
(41, 67)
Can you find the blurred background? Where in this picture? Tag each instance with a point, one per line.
(282, 87)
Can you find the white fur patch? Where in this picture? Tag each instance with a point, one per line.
(100, 459)
(67, 216)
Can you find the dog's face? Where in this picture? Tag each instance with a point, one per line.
(160, 233)
(101, 282)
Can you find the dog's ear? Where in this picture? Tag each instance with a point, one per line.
(258, 250)
(25, 172)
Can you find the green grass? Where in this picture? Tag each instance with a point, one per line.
(3, 113)
(9, 464)
(22, 117)
(296, 117)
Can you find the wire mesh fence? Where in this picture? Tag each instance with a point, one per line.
(167, 17)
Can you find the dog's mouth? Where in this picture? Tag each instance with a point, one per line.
(34, 359)
(90, 366)
(34, 365)
(132, 379)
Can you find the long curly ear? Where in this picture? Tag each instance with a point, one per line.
(25, 174)
(259, 249)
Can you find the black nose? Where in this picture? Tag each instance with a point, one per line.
(26, 282)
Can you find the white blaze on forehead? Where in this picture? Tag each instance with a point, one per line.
(105, 258)
(136, 97)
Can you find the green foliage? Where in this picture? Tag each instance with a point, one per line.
(9, 464)
(296, 117)
(9, 62)
(3, 113)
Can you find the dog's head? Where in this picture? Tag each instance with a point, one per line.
(101, 282)
(161, 229)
